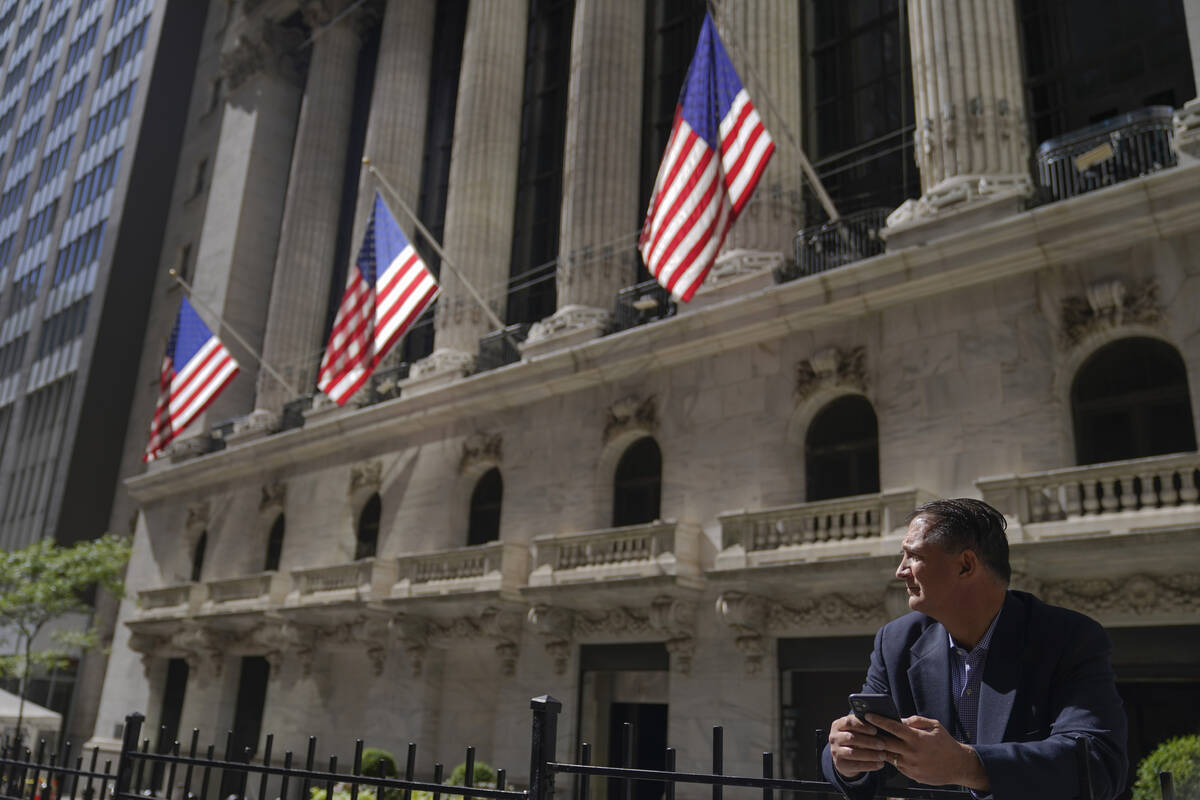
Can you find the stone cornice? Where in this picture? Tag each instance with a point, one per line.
(1160, 205)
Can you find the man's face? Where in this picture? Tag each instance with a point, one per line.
(927, 570)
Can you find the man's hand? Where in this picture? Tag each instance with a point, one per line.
(855, 747)
(926, 752)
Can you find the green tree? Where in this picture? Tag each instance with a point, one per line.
(43, 582)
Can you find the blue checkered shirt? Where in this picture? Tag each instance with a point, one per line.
(966, 673)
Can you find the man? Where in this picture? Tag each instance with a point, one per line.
(993, 686)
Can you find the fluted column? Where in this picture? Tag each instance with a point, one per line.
(971, 142)
(761, 37)
(481, 197)
(240, 234)
(395, 139)
(596, 255)
(1187, 119)
(308, 236)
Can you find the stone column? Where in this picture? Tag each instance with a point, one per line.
(395, 140)
(308, 236)
(481, 199)
(600, 171)
(1187, 119)
(761, 37)
(971, 143)
(245, 204)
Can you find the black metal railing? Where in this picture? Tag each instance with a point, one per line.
(172, 772)
(291, 416)
(499, 347)
(837, 242)
(1104, 154)
(384, 384)
(641, 303)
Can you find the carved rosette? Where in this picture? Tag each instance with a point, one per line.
(480, 449)
(631, 414)
(1109, 305)
(365, 477)
(832, 367)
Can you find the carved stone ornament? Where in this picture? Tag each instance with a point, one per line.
(746, 615)
(443, 361)
(197, 515)
(828, 611)
(630, 414)
(953, 193)
(568, 318)
(149, 646)
(285, 640)
(480, 449)
(1187, 128)
(556, 626)
(266, 47)
(675, 619)
(832, 367)
(413, 632)
(735, 263)
(1109, 305)
(501, 626)
(272, 497)
(1137, 596)
(365, 477)
(203, 648)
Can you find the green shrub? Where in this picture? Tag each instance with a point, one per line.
(484, 775)
(373, 758)
(1180, 757)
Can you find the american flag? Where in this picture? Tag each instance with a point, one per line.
(376, 309)
(195, 369)
(717, 151)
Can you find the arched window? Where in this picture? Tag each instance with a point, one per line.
(274, 546)
(841, 450)
(198, 557)
(637, 485)
(484, 523)
(368, 529)
(1130, 400)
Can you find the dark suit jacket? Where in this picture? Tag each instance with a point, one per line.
(1048, 680)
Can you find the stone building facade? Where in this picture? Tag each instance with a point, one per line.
(679, 523)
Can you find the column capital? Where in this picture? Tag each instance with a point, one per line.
(265, 47)
(319, 13)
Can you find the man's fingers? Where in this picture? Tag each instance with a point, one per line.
(897, 729)
(921, 723)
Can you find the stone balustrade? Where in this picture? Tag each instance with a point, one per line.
(1140, 488)
(179, 599)
(656, 549)
(848, 526)
(493, 567)
(365, 579)
(265, 587)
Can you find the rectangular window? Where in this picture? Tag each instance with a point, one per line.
(8, 19)
(28, 26)
(52, 35)
(11, 200)
(39, 225)
(16, 74)
(12, 354)
(68, 102)
(53, 163)
(26, 141)
(109, 115)
(39, 87)
(122, 52)
(82, 43)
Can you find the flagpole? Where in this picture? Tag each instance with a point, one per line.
(446, 262)
(805, 165)
(222, 324)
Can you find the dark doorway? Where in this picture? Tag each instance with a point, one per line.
(198, 557)
(637, 485)
(171, 713)
(274, 545)
(841, 450)
(247, 718)
(647, 747)
(1130, 400)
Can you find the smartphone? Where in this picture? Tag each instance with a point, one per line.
(865, 703)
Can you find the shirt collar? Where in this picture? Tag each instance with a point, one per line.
(985, 642)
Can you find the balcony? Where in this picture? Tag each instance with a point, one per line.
(1141, 495)
(248, 592)
(1109, 152)
(837, 243)
(664, 552)
(642, 303)
(498, 567)
(355, 582)
(861, 526)
(170, 601)
(499, 348)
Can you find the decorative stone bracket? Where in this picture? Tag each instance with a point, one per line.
(284, 639)
(746, 615)
(556, 626)
(365, 477)
(272, 497)
(478, 449)
(832, 366)
(1108, 305)
(631, 414)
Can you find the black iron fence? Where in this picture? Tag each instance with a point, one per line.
(175, 772)
(1104, 154)
(838, 242)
